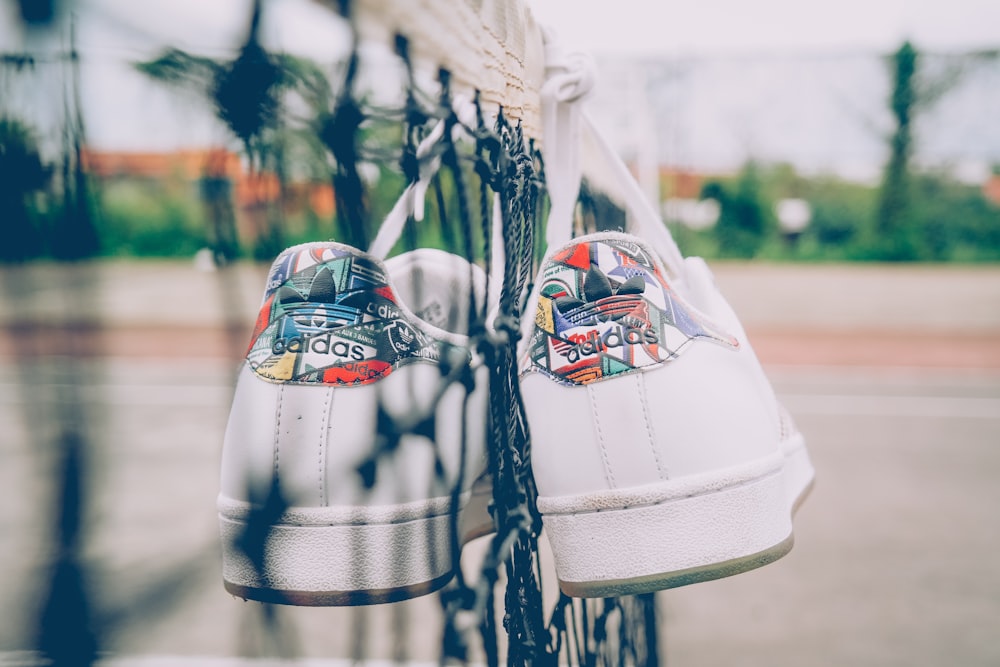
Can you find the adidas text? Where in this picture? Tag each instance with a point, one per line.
(596, 342)
(320, 343)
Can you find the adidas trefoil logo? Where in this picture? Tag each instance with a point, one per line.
(605, 302)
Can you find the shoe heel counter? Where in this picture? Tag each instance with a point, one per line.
(436, 422)
(702, 412)
(277, 432)
(711, 411)
(248, 446)
(567, 456)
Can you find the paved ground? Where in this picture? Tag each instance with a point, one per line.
(895, 556)
(835, 314)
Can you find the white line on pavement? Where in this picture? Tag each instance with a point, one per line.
(219, 396)
(876, 405)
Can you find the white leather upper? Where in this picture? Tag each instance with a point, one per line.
(314, 437)
(710, 408)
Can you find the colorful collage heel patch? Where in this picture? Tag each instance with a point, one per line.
(605, 309)
(329, 316)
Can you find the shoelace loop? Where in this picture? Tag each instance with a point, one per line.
(569, 76)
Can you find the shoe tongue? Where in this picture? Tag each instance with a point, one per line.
(435, 286)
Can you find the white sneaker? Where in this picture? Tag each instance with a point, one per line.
(660, 453)
(342, 340)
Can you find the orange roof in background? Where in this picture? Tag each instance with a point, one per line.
(189, 165)
(250, 189)
(257, 188)
(680, 183)
(321, 200)
(991, 189)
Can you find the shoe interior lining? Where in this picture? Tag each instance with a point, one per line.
(436, 289)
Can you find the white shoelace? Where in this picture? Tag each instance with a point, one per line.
(411, 202)
(567, 126)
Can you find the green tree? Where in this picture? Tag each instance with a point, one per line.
(745, 222)
(74, 234)
(245, 94)
(954, 220)
(895, 236)
(22, 172)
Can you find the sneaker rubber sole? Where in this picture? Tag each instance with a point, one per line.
(340, 556)
(675, 533)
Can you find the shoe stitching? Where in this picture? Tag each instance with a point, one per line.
(323, 442)
(638, 504)
(644, 401)
(277, 431)
(608, 473)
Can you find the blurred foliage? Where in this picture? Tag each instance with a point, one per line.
(745, 222)
(951, 221)
(22, 175)
(948, 221)
(179, 68)
(910, 215)
(140, 219)
(895, 228)
(250, 95)
(285, 114)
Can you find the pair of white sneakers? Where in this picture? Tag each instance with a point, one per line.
(660, 453)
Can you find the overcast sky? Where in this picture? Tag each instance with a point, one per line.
(711, 27)
(629, 27)
(120, 32)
